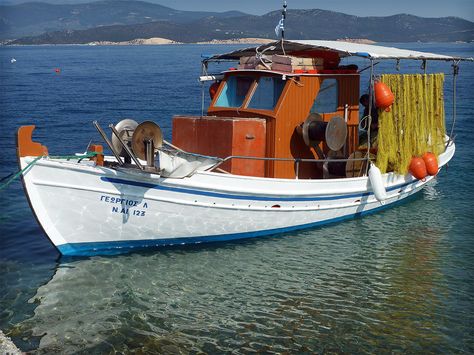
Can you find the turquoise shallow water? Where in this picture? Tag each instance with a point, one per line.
(397, 281)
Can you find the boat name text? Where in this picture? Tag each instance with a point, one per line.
(127, 206)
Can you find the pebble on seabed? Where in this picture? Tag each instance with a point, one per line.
(7, 346)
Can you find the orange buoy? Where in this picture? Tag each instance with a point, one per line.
(418, 168)
(213, 89)
(384, 97)
(431, 163)
(57, 70)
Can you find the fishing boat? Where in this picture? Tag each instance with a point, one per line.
(279, 149)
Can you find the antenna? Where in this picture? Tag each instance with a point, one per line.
(280, 27)
(283, 18)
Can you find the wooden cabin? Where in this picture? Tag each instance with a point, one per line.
(256, 113)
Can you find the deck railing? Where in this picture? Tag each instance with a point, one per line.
(296, 161)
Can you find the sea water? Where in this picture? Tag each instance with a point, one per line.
(397, 281)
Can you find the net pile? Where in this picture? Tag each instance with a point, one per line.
(415, 123)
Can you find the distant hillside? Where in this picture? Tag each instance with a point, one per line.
(195, 27)
(323, 24)
(35, 18)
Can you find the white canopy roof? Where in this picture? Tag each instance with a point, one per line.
(344, 49)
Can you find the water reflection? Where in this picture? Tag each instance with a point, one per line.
(19, 281)
(412, 309)
(342, 288)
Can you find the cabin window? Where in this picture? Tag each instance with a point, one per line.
(267, 93)
(234, 91)
(327, 99)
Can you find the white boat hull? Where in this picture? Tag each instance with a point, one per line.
(86, 209)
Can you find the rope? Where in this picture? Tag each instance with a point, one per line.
(6, 177)
(14, 176)
(261, 56)
(78, 157)
(19, 173)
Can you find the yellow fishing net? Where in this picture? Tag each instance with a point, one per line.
(415, 123)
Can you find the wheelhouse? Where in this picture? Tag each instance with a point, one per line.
(270, 105)
(278, 106)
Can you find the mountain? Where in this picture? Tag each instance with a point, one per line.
(183, 26)
(35, 18)
(323, 24)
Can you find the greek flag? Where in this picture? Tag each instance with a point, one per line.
(280, 27)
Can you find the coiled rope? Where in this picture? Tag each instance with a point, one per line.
(13, 176)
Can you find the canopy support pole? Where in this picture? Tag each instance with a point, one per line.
(371, 100)
(423, 66)
(455, 74)
(203, 72)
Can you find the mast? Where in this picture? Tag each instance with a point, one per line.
(283, 18)
(280, 27)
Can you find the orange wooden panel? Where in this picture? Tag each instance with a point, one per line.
(192, 135)
(184, 133)
(293, 108)
(223, 137)
(249, 140)
(296, 108)
(99, 149)
(25, 146)
(292, 112)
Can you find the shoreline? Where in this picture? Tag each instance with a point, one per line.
(157, 41)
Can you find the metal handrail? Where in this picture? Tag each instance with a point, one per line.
(301, 160)
(296, 161)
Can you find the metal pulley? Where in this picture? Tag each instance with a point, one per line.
(146, 138)
(333, 133)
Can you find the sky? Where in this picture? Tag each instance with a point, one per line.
(423, 8)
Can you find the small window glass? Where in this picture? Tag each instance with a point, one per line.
(267, 93)
(327, 99)
(234, 91)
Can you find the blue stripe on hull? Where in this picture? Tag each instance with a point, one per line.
(244, 197)
(120, 247)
